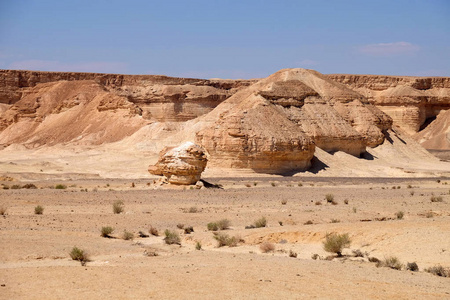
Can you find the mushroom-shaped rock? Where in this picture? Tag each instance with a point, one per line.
(181, 165)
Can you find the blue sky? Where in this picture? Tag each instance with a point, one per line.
(226, 39)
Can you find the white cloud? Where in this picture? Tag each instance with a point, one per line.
(53, 65)
(389, 49)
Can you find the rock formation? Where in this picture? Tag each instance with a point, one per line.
(181, 165)
(410, 101)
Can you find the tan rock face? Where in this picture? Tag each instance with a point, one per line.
(409, 101)
(181, 165)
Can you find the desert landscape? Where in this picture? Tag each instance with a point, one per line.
(328, 186)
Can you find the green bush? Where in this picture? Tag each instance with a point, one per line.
(127, 235)
(106, 231)
(224, 239)
(212, 226)
(335, 243)
(171, 237)
(80, 255)
(60, 187)
(39, 210)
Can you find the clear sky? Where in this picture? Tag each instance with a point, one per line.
(226, 39)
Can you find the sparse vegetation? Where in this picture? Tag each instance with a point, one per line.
(188, 229)
(29, 186)
(318, 202)
(261, 222)
(391, 262)
(411, 193)
(283, 202)
(106, 231)
(266, 247)
(219, 225)
(346, 201)
(434, 198)
(412, 267)
(399, 215)
(438, 271)
(60, 186)
(127, 235)
(354, 210)
(309, 222)
(292, 254)
(171, 237)
(335, 243)
(80, 255)
(273, 184)
(429, 214)
(153, 231)
(224, 239)
(15, 187)
(300, 184)
(329, 198)
(39, 210)
(335, 221)
(118, 207)
(248, 185)
(198, 246)
(3, 210)
(193, 210)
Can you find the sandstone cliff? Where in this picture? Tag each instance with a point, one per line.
(410, 101)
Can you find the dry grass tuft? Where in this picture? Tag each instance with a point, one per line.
(39, 210)
(171, 237)
(118, 207)
(266, 247)
(335, 243)
(127, 235)
(106, 231)
(391, 262)
(438, 271)
(224, 239)
(80, 255)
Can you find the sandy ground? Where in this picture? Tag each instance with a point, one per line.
(34, 249)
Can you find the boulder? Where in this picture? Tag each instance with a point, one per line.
(181, 165)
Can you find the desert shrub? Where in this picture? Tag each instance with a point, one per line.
(106, 231)
(391, 262)
(224, 224)
(409, 186)
(224, 239)
(180, 226)
(261, 222)
(266, 247)
(283, 202)
(335, 221)
(436, 198)
(212, 226)
(329, 198)
(346, 201)
(358, 253)
(171, 237)
(3, 210)
(292, 254)
(412, 267)
(60, 187)
(429, 214)
(198, 246)
(248, 185)
(127, 235)
(399, 215)
(315, 256)
(438, 271)
(6, 187)
(280, 222)
(318, 202)
(80, 255)
(309, 222)
(411, 193)
(118, 207)
(335, 243)
(373, 260)
(153, 231)
(300, 184)
(188, 229)
(193, 210)
(255, 183)
(29, 186)
(15, 187)
(39, 210)
(273, 184)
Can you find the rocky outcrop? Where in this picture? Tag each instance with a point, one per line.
(410, 101)
(182, 165)
(160, 98)
(273, 125)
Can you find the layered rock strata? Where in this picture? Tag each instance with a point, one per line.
(411, 101)
(182, 165)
